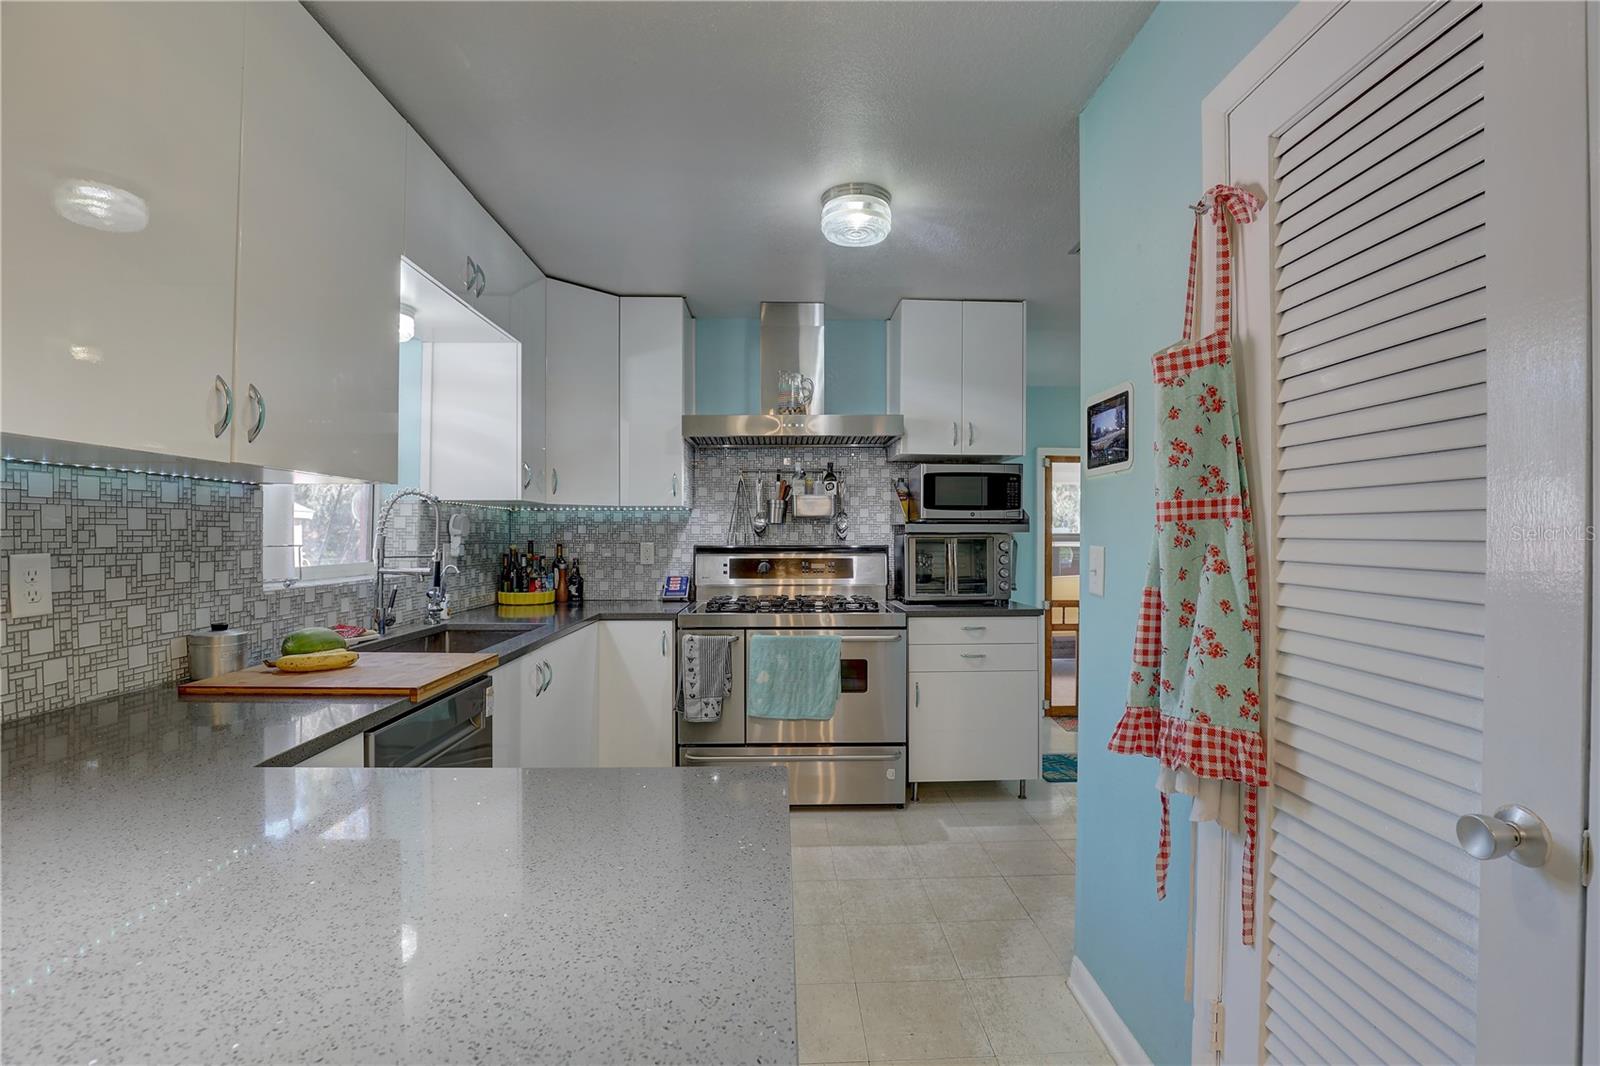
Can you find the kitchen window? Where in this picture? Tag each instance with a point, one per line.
(316, 533)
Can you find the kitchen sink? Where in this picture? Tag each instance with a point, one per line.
(446, 640)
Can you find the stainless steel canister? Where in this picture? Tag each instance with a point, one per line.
(217, 650)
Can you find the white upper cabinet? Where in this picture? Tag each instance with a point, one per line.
(582, 438)
(321, 217)
(957, 375)
(449, 236)
(657, 381)
(994, 395)
(118, 331)
(474, 414)
(528, 326)
(925, 364)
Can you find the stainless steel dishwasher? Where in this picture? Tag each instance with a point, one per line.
(456, 729)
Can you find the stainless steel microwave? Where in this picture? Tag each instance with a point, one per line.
(971, 567)
(973, 492)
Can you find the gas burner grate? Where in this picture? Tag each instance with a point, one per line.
(728, 604)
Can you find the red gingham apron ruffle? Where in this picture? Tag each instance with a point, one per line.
(1206, 751)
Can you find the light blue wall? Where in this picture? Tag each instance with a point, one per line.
(856, 353)
(1140, 164)
(1053, 417)
(727, 366)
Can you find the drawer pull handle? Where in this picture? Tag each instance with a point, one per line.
(974, 629)
(918, 699)
(691, 757)
(974, 655)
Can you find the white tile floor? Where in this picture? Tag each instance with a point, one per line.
(941, 933)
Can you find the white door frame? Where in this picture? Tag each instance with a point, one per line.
(1224, 970)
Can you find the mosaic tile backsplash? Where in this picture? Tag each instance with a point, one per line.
(139, 560)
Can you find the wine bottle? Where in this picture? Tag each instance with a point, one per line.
(575, 584)
(563, 591)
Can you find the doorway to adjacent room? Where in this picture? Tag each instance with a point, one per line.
(1060, 551)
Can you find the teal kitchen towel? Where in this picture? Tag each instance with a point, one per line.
(792, 677)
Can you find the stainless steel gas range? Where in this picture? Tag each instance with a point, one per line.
(857, 756)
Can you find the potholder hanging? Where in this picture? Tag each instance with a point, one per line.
(1194, 696)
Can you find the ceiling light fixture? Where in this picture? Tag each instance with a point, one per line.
(408, 322)
(100, 206)
(855, 214)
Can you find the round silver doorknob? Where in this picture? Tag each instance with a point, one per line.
(1512, 830)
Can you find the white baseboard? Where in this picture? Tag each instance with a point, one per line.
(1118, 1038)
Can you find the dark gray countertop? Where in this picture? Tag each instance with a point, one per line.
(967, 610)
(163, 899)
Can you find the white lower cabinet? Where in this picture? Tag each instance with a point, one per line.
(973, 708)
(635, 693)
(558, 721)
(601, 696)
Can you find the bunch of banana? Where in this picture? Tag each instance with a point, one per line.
(306, 650)
(336, 659)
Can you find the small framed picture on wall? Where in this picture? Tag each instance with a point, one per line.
(1108, 425)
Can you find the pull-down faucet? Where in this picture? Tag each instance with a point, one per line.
(437, 599)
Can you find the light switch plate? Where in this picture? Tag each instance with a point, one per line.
(647, 552)
(1097, 570)
(30, 585)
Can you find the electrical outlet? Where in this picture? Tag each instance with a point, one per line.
(30, 585)
(647, 552)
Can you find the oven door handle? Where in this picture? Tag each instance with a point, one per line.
(423, 756)
(691, 757)
(874, 640)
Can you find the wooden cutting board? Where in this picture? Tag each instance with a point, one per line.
(416, 675)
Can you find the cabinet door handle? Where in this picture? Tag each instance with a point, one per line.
(663, 642)
(527, 475)
(969, 434)
(674, 486)
(549, 674)
(260, 402)
(538, 684)
(472, 277)
(955, 433)
(916, 699)
(555, 481)
(220, 425)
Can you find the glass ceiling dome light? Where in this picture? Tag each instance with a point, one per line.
(855, 214)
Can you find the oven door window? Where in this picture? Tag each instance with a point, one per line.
(972, 565)
(852, 675)
(930, 566)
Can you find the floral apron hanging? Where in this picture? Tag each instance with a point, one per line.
(1194, 698)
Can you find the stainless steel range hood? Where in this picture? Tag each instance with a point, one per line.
(791, 344)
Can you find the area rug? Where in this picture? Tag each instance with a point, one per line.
(1059, 767)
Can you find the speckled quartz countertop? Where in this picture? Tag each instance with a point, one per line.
(164, 899)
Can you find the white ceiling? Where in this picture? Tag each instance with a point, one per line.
(683, 147)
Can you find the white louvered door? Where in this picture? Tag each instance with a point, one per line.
(1416, 345)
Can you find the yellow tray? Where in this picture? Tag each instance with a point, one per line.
(525, 599)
